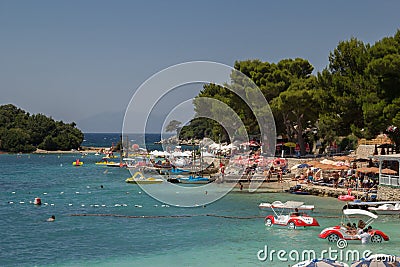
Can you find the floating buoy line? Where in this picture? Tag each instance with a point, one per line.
(85, 205)
(164, 216)
(147, 216)
(38, 202)
(176, 216)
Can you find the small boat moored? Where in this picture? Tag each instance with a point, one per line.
(139, 178)
(194, 180)
(298, 190)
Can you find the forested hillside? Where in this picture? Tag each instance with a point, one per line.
(22, 132)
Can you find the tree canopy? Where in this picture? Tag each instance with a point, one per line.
(173, 126)
(356, 95)
(22, 132)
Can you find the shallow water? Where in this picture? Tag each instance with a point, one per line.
(196, 240)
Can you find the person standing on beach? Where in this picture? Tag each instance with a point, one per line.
(265, 174)
(336, 176)
(310, 175)
(269, 173)
(280, 174)
(222, 172)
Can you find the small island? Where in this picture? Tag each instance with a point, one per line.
(21, 132)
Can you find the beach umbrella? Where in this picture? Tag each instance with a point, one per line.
(327, 167)
(374, 169)
(388, 171)
(290, 144)
(368, 170)
(363, 169)
(321, 263)
(340, 167)
(178, 154)
(207, 154)
(343, 158)
(378, 260)
(135, 147)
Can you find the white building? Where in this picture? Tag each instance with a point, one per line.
(390, 176)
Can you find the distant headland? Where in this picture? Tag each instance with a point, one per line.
(21, 132)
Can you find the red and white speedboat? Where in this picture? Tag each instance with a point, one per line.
(335, 233)
(289, 216)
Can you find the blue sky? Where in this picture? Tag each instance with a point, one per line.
(82, 60)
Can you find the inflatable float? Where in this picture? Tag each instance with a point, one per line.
(77, 163)
(347, 197)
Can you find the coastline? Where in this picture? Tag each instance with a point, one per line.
(383, 194)
(91, 150)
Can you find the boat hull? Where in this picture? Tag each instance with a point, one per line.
(143, 181)
(291, 222)
(385, 212)
(183, 181)
(118, 165)
(269, 206)
(300, 193)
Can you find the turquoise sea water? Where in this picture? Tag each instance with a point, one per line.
(196, 240)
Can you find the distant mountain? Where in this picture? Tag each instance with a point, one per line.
(111, 122)
(104, 122)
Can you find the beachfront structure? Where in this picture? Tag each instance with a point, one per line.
(389, 178)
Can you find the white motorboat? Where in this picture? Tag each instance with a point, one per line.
(280, 205)
(386, 209)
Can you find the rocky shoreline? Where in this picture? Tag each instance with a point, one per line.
(91, 150)
(387, 193)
